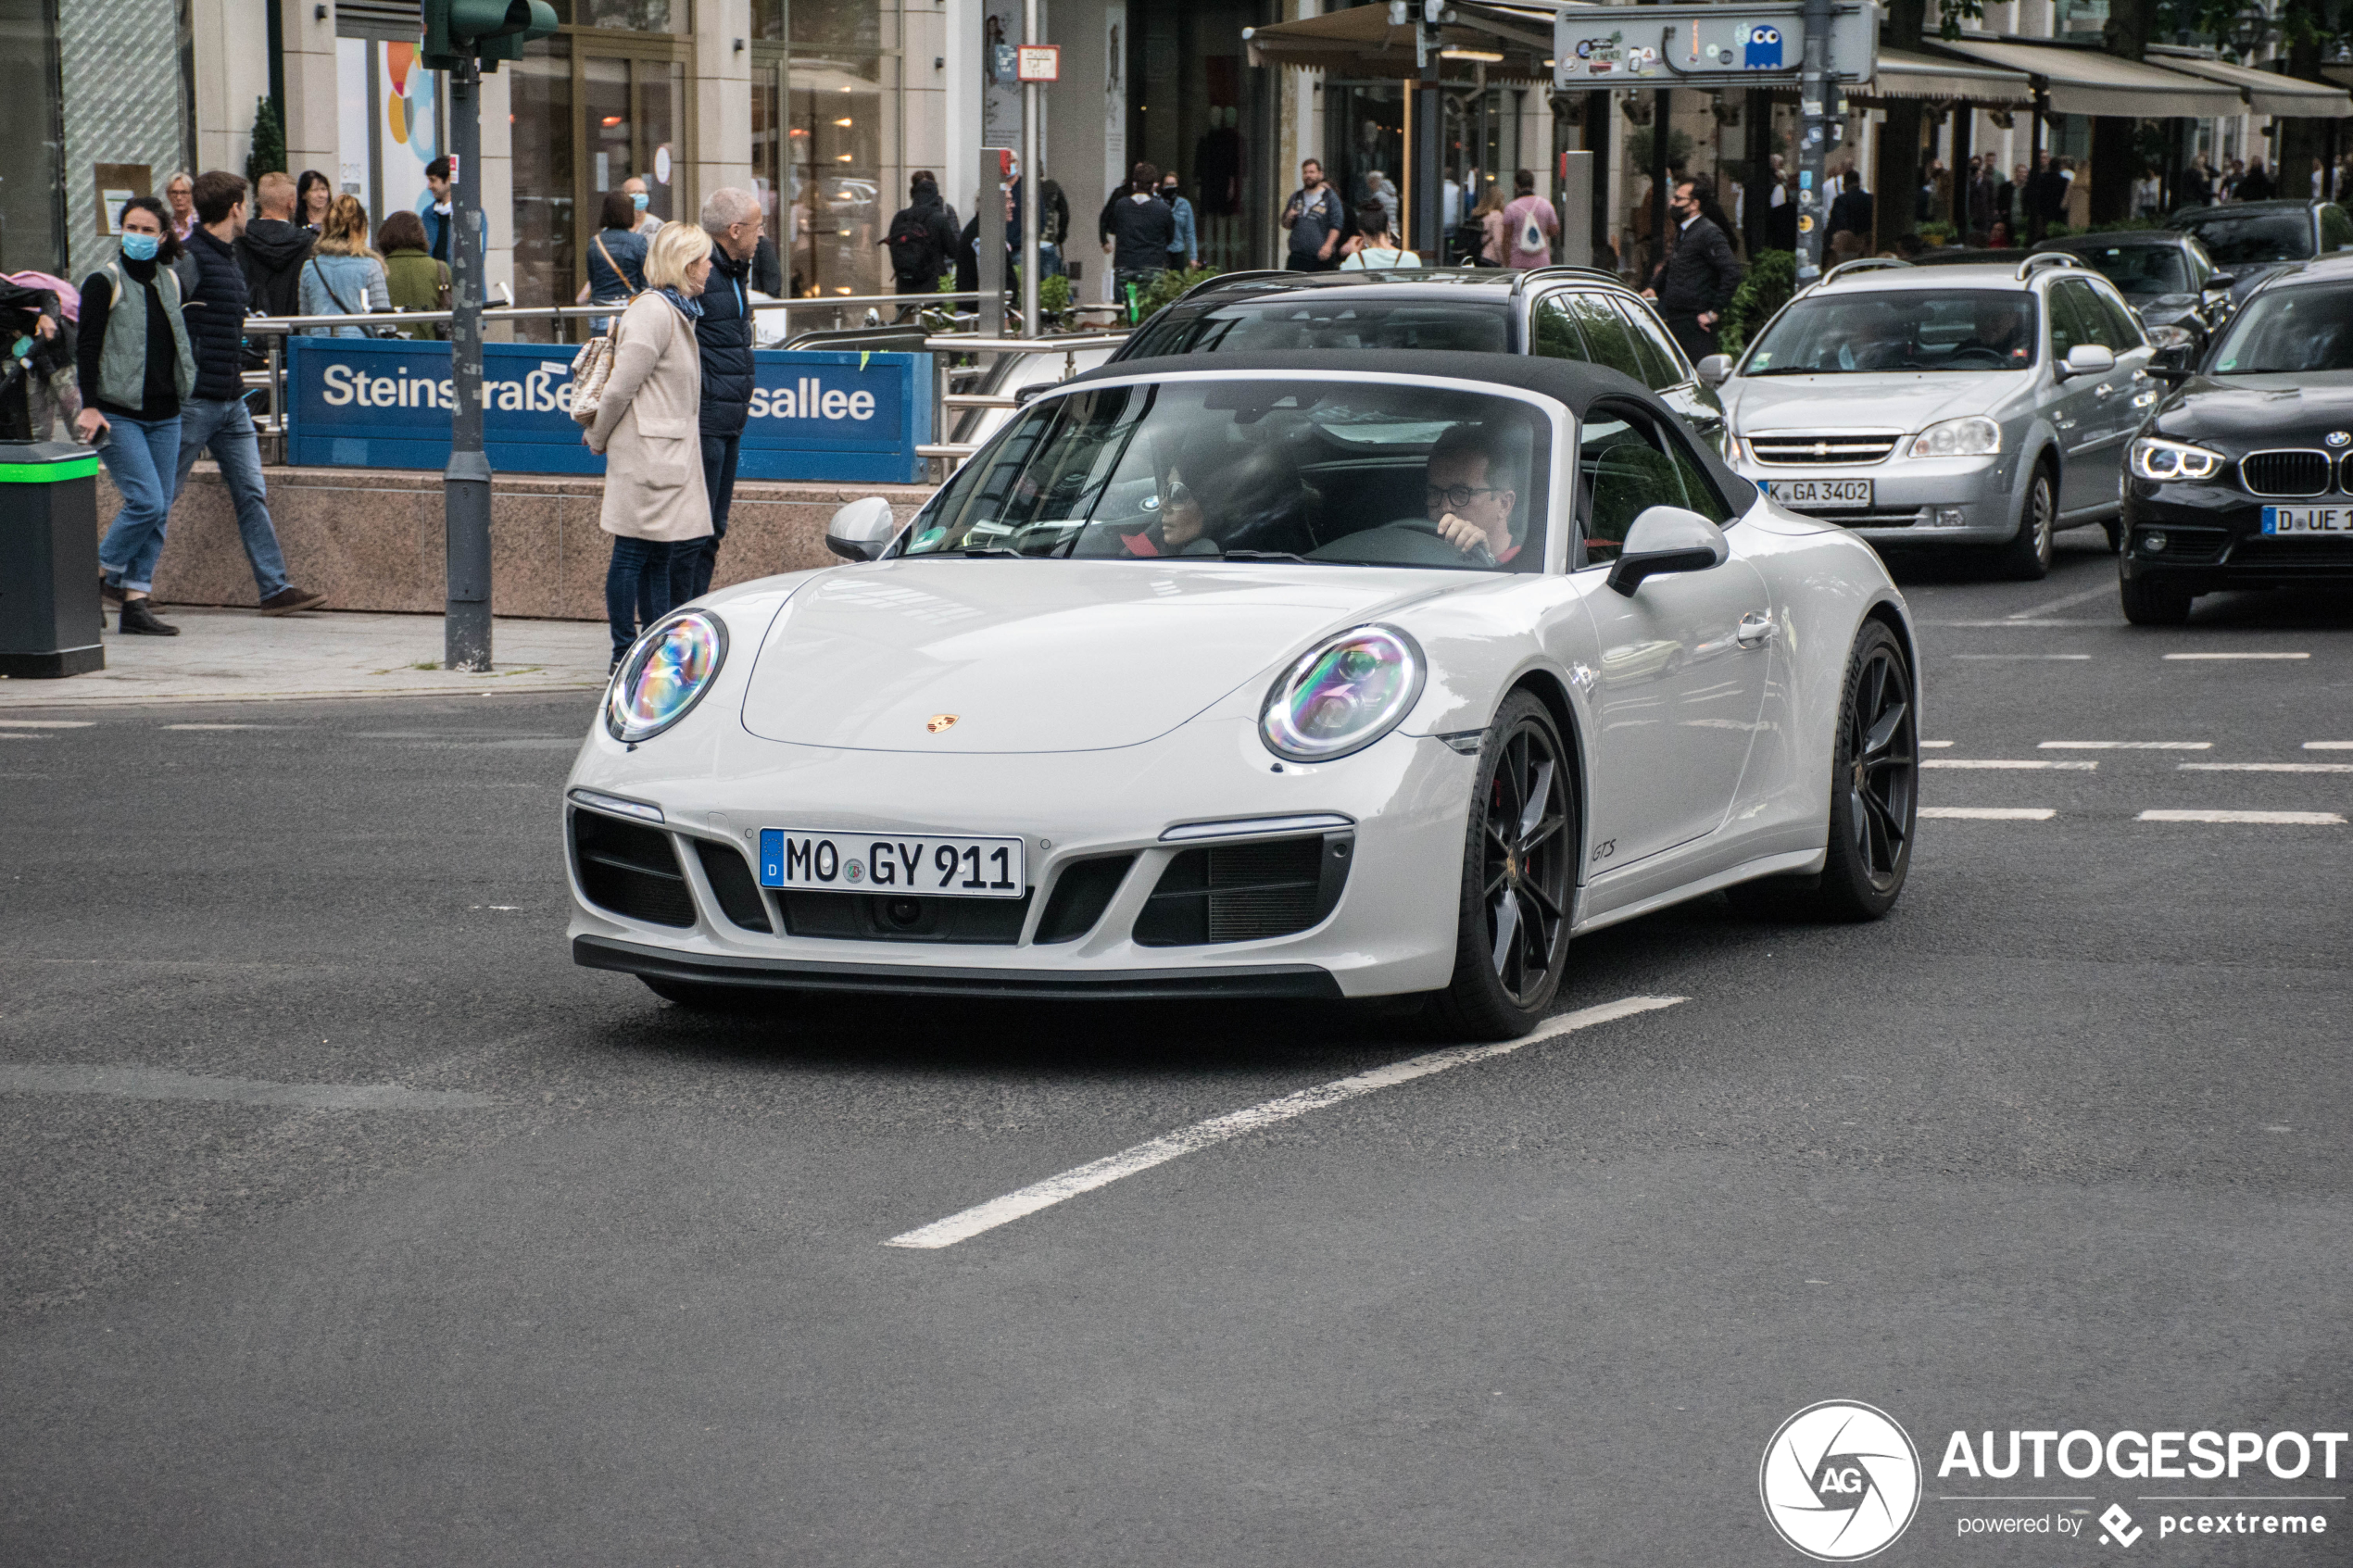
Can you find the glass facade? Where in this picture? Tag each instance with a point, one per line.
(33, 218)
(824, 151)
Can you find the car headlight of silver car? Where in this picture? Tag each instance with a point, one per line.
(1973, 435)
(1342, 695)
(664, 675)
(2155, 458)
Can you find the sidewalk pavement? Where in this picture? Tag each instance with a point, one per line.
(236, 655)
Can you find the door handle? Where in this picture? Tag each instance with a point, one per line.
(1755, 630)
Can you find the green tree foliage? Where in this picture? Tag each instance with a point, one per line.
(1772, 278)
(269, 153)
(1638, 147)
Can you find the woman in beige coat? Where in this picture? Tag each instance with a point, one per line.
(648, 429)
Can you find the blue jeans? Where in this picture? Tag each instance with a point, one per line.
(226, 426)
(718, 455)
(141, 456)
(643, 585)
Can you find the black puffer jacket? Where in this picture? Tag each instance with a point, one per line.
(215, 311)
(725, 334)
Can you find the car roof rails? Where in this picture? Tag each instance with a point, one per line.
(2043, 258)
(1562, 270)
(1861, 264)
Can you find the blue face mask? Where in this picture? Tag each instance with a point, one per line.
(640, 200)
(141, 247)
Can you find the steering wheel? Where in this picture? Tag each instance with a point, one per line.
(1992, 356)
(1478, 552)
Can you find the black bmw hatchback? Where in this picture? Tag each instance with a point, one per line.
(2242, 477)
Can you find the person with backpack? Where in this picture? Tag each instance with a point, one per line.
(343, 276)
(922, 238)
(135, 365)
(1531, 223)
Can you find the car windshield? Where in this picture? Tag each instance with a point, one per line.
(1350, 472)
(2261, 236)
(1305, 321)
(2288, 332)
(2140, 270)
(1841, 331)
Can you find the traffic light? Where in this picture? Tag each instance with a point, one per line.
(490, 30)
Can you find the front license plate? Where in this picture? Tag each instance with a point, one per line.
(2308, 519)
(896, 863)
(1820, 494)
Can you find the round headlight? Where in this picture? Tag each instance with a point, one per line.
(1342, 695)
(664, 675)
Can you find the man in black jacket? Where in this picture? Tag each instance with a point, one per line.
(1696, 281)
(214, 414)
(272, 250)
(922, 238)
(1135, 228)
(732, 217)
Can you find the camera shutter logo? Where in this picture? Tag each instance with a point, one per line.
(1840, 1481)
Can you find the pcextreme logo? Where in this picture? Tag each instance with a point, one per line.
(1840, 1481)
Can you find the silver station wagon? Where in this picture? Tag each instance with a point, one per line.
(1981, 406)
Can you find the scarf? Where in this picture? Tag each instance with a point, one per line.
(689, 308)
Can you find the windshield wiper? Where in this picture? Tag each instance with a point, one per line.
(982, 550)
(1264, 555)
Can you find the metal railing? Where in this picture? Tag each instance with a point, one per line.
(947, 455)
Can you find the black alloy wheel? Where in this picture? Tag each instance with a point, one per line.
(1518, 878)
(2027, 558)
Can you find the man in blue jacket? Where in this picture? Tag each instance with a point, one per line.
(732, 217)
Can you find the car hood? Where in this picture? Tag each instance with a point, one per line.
(1042, 655)
(1904, 400)
(2242, 411)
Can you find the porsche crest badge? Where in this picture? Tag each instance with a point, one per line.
(939, 721)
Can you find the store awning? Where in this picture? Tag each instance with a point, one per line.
(1360, 42)
(2267, 91)
(2084, 81)
(1903, 75)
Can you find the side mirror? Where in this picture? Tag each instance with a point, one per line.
(2220, 282)
(2087, 359)
(1716, 369)
(1666, 539)
(862, 530)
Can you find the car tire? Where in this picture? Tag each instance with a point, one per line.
(2115, 527)
(2027, 558)
(1518, 879)
(2153, 604)
(1874, 803)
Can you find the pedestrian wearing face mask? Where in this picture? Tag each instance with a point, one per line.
(135, 365)
(642, 198)
(1184, 245)
(1696, 281)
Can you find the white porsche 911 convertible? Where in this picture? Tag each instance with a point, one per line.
(1308, 675)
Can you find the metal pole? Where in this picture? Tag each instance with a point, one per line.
(1029, 178)
(466, 482)
(989, 242)
(1815, 93)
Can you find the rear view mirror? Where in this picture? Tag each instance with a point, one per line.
(1716, 369)
(2087, 359)
(1664, 540)
(862, 530)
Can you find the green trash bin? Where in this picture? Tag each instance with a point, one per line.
(50, 618)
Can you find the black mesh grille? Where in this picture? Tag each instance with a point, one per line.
(730, 876)
(1081, 894)
(631, 870)
(2182, 544)
(1242, 892)
(2284, 474)
(2321, 553)
(873, 917)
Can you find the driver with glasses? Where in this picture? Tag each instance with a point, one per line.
(1470, 494)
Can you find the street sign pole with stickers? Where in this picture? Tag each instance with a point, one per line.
(1814, 45)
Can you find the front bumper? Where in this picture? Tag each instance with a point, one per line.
(2214, 541)
(1925, 501)
(1389, 926)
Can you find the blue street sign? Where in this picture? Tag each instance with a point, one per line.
(384, 402)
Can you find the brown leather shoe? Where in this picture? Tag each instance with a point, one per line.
(288, 600)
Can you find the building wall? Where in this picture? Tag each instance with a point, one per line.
(232, 43)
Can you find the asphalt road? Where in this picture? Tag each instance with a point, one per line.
(2058, 1146)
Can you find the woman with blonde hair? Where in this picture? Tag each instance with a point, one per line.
(1495, 243)
(648, 430)
(343, 276)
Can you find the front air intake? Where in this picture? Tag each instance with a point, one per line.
(630, 869)
(1245, 892)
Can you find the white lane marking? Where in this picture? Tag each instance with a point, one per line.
(154, 1083)
(228, 726)
(5, 735)
(1990, 813)
(2282, 818)
(1936, 745)
(2104, 590)
(1217, 1129)
(2078, 656)
(2265, 766)
(2328, 745)
(2125, 746)
(1981, 624)
(48, 723)
(2011, 764)
(2211, 655)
